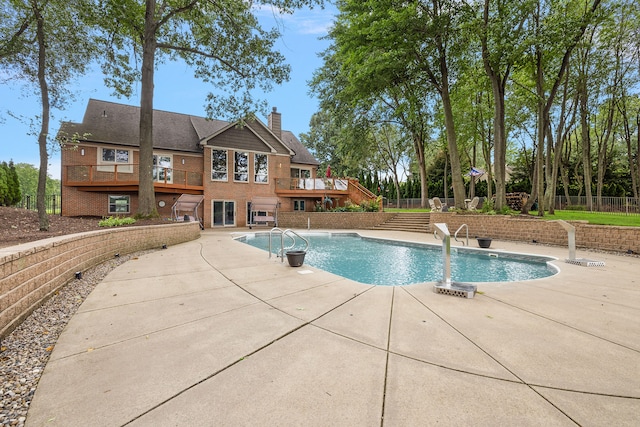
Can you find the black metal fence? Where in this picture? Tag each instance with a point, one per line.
(610, 205)
(53, 203)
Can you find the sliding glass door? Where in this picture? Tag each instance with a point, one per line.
(223, 213)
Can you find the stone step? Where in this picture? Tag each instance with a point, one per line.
(407, 221)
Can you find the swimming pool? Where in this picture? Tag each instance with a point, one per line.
(388, 262)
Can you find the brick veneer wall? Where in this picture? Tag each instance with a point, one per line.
(30, 273)
(528, 229)
(336, 220)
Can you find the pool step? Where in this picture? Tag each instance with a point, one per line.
(407, 221)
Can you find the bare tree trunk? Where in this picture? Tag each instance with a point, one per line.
(603, 144)
(146, 192)
(562, 133)
(627, 135)
(43, 218)
(637, 195)
(418, 146)
(486, 153)
(585, 138)
(541, 129)
(452, 143)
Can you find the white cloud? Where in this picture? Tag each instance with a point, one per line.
(304, 21)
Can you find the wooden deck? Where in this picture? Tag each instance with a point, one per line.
(125, 178)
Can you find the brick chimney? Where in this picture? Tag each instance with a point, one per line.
(275, 122)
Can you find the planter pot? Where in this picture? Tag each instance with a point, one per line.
(484, 242)
(296, 258)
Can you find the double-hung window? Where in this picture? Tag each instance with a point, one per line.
(241, 167)
(108, 158)
(219, 165)
(162, 170)
(261, 168)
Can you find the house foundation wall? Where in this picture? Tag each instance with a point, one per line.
(30, 273)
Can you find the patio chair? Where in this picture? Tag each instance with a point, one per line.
(438, 204)
(473, 204)
(432, 205)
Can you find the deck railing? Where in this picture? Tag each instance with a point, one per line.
(97, 175)
(313, 184)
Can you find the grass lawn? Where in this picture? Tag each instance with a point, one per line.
(592, 217)
(595, 218)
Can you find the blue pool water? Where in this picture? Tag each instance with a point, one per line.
(386, 262)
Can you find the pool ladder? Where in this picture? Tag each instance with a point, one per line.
(291, 235)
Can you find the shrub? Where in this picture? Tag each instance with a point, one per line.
(116, 221)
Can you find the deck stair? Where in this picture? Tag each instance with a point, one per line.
(407, 221)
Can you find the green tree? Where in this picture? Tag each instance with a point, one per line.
(4, 184)
(406, 55)
(14, 185)
(222, 41)
(45, 44)
(503, 39)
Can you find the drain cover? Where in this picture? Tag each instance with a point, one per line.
(455, 289)
(585, 262)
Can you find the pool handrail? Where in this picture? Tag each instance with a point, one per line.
(290, 234)
(455, 236)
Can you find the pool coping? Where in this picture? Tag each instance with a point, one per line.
(518, 256)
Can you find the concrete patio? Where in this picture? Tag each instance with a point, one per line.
(213, 332)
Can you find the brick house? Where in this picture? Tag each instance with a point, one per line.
(228, 164)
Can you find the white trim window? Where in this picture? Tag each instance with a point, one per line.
(298, 205)
(300, 173)
(241, 166)
(162, 168)
(261, 168)
(119, 204)
(219, 165)
(109, 157)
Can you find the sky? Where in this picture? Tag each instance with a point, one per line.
(176, 89)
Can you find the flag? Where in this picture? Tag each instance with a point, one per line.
(476, 172)
(329, 171)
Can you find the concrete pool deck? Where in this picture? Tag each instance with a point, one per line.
(213, 332)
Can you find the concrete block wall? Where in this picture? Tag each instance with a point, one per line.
(30, 273)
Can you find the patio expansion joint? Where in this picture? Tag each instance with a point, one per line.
(635, 350)
(521, 380)
(574, 295)
(386, 363)
(158, 331)
(110, 307)
(256, 351)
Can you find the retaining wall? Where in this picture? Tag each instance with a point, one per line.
(335, 220)
(30, 273)
(499, 227)
(530, 229)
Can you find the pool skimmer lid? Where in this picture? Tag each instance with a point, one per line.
(456, 289)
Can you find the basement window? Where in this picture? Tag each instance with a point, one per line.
(119, 204)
